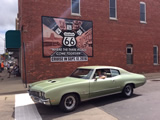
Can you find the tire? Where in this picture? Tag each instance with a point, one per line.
(128, 90)
(69, 102)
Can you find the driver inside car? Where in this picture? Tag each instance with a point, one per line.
(100, 74)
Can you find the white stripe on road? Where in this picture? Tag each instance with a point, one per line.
(25, 108)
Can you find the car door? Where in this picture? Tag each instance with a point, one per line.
(102, 86)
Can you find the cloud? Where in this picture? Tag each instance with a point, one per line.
(8, 13)
(9, 10)
(2, 45)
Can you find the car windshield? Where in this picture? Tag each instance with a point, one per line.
(82, 73)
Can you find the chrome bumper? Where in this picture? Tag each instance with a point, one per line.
(39, 100)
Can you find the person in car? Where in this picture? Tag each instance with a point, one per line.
(100, 74)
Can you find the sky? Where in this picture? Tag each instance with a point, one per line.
(8, 13)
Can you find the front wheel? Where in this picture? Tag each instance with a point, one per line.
(69, 103)
(128, 90)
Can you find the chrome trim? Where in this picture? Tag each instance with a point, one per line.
(40, 100)
(84, 93)
(105, 90)
(102, 96)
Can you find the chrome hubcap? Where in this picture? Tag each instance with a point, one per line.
(128, 90)
(70, 102)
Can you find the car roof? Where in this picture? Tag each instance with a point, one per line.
(99, 67)
(103, 67)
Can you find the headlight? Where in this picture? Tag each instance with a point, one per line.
(42, 95)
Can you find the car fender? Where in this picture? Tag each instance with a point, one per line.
(55, 95)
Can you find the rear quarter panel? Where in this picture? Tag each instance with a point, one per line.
(132, 78)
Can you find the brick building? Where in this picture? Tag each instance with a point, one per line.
(59, 35)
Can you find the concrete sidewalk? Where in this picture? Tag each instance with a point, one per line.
(151, 76)
(8, 88)
(12, 85)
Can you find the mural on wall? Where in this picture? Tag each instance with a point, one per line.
(67, 39)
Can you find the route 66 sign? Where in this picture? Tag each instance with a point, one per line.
(69, 41)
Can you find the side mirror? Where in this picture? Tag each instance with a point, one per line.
(97, 77)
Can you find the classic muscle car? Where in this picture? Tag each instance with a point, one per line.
(85, 83)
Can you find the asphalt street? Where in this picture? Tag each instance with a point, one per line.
(144, 105)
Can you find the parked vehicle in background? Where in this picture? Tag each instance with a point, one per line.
(85, 83)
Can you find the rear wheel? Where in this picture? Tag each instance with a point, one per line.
(69, 102)
(128, 90)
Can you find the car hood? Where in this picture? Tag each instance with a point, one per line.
(54, 83)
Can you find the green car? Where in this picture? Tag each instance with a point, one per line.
(83, 84)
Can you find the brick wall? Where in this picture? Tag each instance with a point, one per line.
(110, 37)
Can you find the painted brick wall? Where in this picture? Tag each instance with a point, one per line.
(110, 37)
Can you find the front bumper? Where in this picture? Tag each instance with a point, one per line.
(40, 100)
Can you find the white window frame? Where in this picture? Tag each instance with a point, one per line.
(156, 54)
(76, 14)
(113, 18)
(145, 12)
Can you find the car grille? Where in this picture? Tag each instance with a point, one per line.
(34, 93)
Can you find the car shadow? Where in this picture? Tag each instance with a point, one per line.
(53, 112)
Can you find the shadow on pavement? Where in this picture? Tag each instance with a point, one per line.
(53, 112)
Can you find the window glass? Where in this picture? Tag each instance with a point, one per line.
(76, 6)
(129, 50)
(112, 13)
(155, 54)
(112, 3)
(112, 7)
(114, 72)
(129, 53)
(102, 72)
(82, 73)
(155, 50)
(142, 12)
(142, 8)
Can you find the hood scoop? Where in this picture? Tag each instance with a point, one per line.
(51, 81)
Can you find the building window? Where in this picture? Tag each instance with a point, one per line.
(113, 9)
(129, 54)
(142, 12)
(75, 7)
(155, 55)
